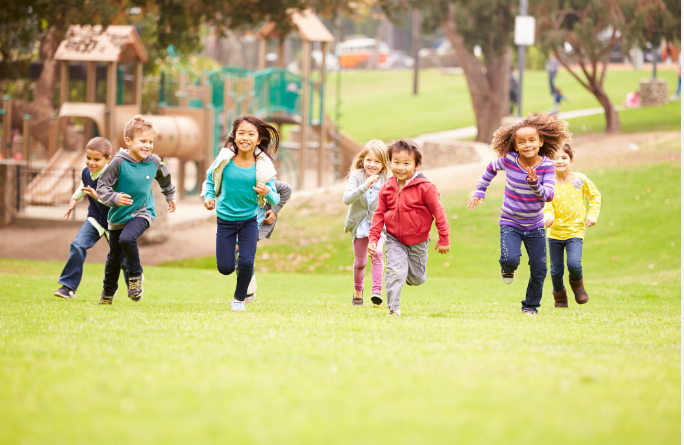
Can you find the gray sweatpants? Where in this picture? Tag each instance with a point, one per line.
(405, 264)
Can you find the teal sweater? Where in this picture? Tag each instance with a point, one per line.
(126, 175)
(238, 199)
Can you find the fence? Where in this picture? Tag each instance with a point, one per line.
(45, 193)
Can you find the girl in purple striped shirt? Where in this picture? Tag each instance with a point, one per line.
(524, 151)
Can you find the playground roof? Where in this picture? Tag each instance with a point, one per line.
(95, 44)
(309, 27)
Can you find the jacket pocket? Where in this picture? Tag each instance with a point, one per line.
(415, 220)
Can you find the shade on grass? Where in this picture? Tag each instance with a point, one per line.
(380, 104)
(303, 366)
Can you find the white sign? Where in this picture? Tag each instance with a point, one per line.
(524, 30)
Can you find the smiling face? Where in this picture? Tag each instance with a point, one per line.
(246, 137)
(403, 165)
(528, 143)
(563, 161)
(371, 164)
(95, 161)
(141, 145)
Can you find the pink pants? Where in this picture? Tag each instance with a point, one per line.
(361, 259)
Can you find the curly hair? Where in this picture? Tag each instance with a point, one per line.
(553, 131)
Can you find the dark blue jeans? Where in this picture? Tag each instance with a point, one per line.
(552, 75)
(535, 245)
(573, 246)
(123, 243)
(246, 232)
(72, 273)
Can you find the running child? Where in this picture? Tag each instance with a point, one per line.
(245, 164)
(565, 217)
(524, 150)
(98, 155)
(126, 186)
(368, 174)
(407, 204)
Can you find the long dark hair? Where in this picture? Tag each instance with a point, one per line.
(268, 135)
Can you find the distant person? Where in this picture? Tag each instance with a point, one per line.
(557, 98)
(97, 157)
(512, 90)
(632, 100)
(552, 66)
(524, 151)
(565, 218)
(675, 97)
(266, 219)
(245, 164)
(407, 205)
(368, 174)
(126, 186)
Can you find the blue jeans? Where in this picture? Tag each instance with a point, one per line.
(123, 246)
(246, 232)
(535, 245)
(552, 75)
(573, 246)
(72, 273)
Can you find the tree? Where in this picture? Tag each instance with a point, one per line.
(592, 28)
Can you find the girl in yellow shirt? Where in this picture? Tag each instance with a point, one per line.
(565, 217)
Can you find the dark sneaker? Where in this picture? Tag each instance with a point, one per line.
(507, 277)
(106, 299)
(135, 287)
(376, 299)
(64, 292)
(529, 311)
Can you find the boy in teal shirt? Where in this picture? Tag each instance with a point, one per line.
(126, 186)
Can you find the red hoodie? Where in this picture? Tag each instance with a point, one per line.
(407, 215)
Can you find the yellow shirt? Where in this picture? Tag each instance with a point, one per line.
(568, 208)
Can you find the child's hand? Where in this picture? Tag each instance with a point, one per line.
(125, 200)
(442, 249)
(372, 248)
(531, 174)
(548, 221)
(262, 189)
(269, 217)
(172, 205)
(90, 192)
(473, 202)
(210, 205)
(372, 180)
(68, 213)
(591, 222)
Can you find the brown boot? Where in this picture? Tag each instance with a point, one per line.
(581, 295)
(561, 298)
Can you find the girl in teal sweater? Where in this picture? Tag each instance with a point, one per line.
(240, 180)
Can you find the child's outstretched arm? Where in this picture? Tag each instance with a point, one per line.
(377, 224)
(594, 201)
(208, 190)
(106, 183)
(486, 179)
(549, 214)
(163, 177)
(438, 212)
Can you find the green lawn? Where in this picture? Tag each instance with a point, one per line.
(303, 366)
(380, 104)
(664, 118)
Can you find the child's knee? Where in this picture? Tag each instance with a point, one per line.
(245, 264)
(360, 265)
(574, 267)
(415, 280)
(126, 242)
(509, 263)
(225, 269)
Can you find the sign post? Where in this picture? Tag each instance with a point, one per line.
(524, 37)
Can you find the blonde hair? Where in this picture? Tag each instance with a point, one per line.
(138, 125)
(379, 149)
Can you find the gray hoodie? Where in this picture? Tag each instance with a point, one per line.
(355, 197)
(285, 191)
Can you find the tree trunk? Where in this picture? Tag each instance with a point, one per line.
(612, 118)
(488, 85)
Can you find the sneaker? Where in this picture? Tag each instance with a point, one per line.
(357, 301)
(376, 299)
(396, 313)
(249, 299)
(237, 306)
(507, 277)
(135, 287)
(106, 299)
(529, 311)
(64, 292)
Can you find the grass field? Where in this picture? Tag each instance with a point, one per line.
(302, 366)
(663, 118)
(380, 104)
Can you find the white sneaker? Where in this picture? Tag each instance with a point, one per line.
(396, 313)
(237, 306)
(250, 298)
(507, 277)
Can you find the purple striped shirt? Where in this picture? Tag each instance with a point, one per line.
(523, 204)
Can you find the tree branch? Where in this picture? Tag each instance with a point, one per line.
(566, 65)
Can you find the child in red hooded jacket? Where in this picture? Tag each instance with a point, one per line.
(406, 206)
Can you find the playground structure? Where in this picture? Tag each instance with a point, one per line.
(195, 119)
